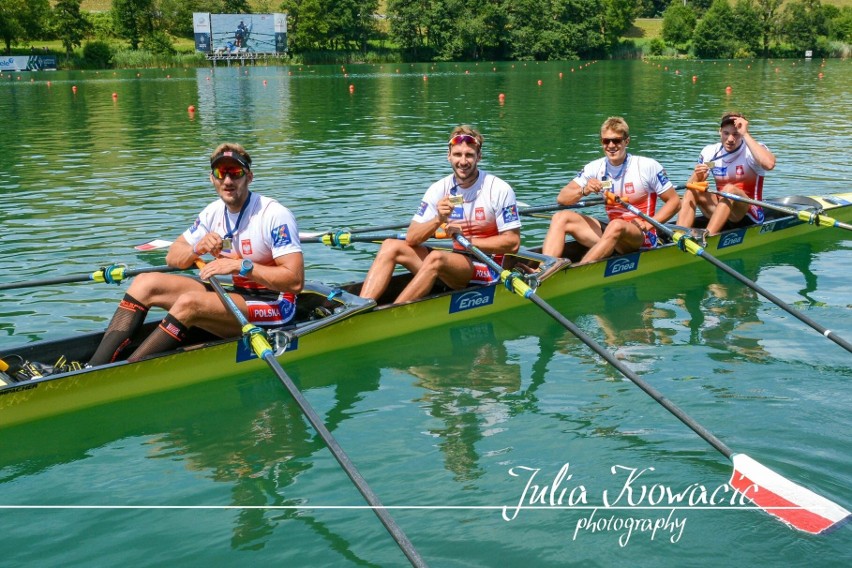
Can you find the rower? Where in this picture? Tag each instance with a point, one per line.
(479, 205)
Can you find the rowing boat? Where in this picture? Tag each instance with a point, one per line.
(331, 318)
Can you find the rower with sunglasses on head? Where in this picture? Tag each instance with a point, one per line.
(250, 237)
(479, 205)
(738, 164)
(635, 179)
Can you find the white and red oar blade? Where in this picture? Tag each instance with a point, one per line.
(797, 506)
(154, 245)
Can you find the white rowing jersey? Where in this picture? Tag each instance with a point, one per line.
(738, 168)
(637, 180)
(488, 207)
(265, 231)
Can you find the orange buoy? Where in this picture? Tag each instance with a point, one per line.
(74, 89)
(114, 96)
(694, 78)
(191, 109)
(539, 82)
(728, 89)
(351, 88)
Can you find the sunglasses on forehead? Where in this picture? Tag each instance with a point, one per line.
(236, 172)
(608, 141)
(463, 139)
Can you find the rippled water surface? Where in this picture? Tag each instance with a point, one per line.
(436, 420)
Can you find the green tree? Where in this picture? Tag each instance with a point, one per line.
(176, 15)
(767, 11)
(618, 17)
(747, 27)
(803, 21)
(22, 20)
(840, 25)
(714, 36)
(409, 24)
(133, 19)
(234, 7)
(563, 29)
(650, 8)
(69, 24)
(678, 25)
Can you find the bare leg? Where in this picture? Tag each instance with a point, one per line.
(455, 270)
(621, 236)
(727, 210)
(392, 252)
(686, 216)
(586, 230)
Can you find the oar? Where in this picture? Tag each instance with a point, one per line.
(343, 238)
(112, 274)
(323, 236)
(687, 244)
(532, 210)
(795, 505)
(260, 345)
(811, 217)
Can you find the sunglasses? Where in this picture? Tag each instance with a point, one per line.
(463, 139)
(235, 172)
(608, 141)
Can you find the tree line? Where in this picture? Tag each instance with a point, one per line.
(453, 30)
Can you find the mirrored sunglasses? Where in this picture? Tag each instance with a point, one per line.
(235, 172)
(463, 139)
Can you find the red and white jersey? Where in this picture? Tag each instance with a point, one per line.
(738, 167)
(638, 180)
(265, 231)
(489, 207)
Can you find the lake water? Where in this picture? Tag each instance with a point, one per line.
(230, 473)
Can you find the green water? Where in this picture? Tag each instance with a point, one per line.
(230, 473)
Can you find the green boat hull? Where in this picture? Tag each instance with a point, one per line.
(363, 324)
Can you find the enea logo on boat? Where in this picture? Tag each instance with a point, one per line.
(732, 239)
(471, 299)
(621, 265)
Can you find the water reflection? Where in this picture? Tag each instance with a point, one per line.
(464, 387)
(248, 435)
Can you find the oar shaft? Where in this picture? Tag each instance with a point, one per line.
(264, 351)
(344, 238)
(688, 245)
(636, 379)
(775, 300)
(116, 274)
(811, 217)
(765, 488)
(527, 292)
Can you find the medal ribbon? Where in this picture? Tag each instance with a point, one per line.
(230, 233)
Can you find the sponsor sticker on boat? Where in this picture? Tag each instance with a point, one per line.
(471, 299)
(731, 239)
(622, 264)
